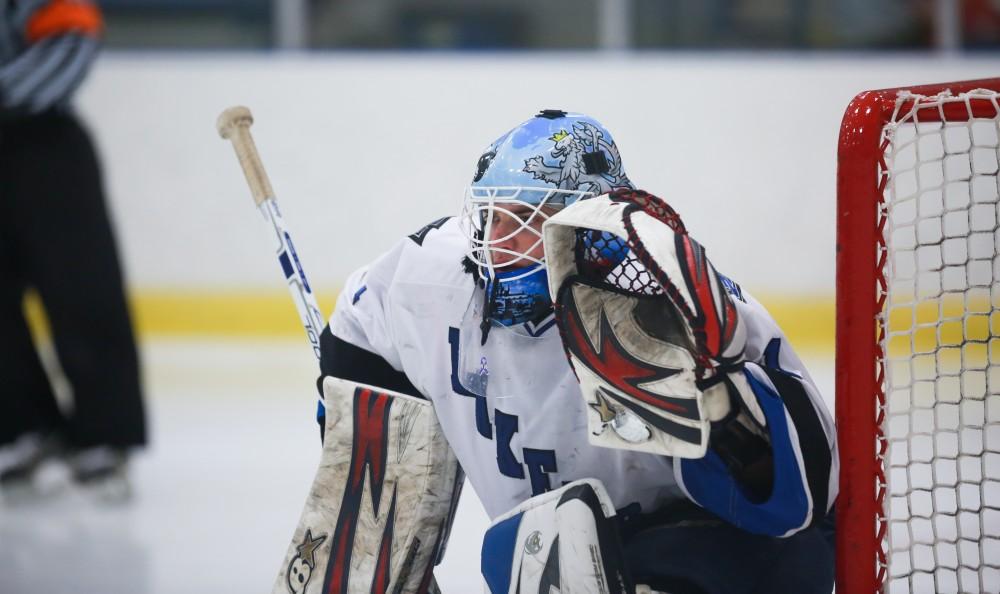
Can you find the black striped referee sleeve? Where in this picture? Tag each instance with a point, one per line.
(46, 74)
(61, 39)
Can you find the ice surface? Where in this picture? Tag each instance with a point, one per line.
(217, 494)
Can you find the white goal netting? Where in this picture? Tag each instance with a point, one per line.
(942, 344)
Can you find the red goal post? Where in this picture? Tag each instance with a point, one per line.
(865, 184)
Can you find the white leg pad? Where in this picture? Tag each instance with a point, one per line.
(563, 541)
(380, 508)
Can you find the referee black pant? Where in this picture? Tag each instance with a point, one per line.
(55, 237)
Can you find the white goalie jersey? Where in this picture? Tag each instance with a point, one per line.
(511, 408)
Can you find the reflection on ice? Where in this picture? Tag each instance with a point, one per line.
(66, 542)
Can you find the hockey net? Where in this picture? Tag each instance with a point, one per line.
(918, 340)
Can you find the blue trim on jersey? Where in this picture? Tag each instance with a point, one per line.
(540, 464)
(710, 485)
(498, 554)
(536, 331)
(772, 358)
(506, 460)
(482, 413)
(731, 286)
(772, 354)
(358, 293)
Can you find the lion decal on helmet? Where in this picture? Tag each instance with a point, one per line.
(588, 161)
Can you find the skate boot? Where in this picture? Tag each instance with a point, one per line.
(22, 466)
(102, 472)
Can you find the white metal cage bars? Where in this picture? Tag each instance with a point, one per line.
(919, 301)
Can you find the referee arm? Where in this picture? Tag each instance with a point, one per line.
(53, 43)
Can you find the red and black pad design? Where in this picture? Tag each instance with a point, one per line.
(383, 562)
(619, 368)
(714, 318)
(381, 501)
(368, 457)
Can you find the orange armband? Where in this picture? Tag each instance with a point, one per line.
(59, 17)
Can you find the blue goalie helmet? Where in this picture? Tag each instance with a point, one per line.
(521, 179)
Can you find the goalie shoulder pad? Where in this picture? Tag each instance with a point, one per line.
(379, 511)
(562, 541)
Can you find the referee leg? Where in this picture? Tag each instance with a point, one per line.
(28, 404)
(73, 263)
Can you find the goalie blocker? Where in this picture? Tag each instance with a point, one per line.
(379, 511)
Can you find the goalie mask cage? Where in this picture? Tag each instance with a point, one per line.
(918, 340)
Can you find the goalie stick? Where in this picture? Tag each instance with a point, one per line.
(347, 541)
(234, 125)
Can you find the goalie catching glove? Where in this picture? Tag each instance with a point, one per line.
(649, 329)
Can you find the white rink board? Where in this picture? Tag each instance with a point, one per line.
(365, 148)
